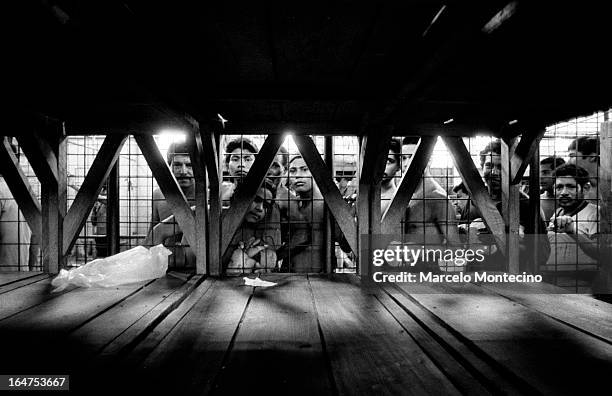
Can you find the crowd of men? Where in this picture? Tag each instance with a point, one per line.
(284, 227)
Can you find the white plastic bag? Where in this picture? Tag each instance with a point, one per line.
(134, 265)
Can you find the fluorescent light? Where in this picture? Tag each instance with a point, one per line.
(512, 122)
(449, 121)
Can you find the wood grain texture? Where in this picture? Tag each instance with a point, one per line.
(535, 349)
(369, 351)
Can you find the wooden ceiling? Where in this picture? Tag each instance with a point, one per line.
(330, 67)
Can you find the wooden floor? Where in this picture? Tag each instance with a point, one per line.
(310, 334)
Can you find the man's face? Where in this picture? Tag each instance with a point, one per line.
(182, 170)
(261, 204)
(391, 167)
(407, 153)
(588, 162)
(492, 173)
(342, 183)
(240, 161)
(567, 192)
(300, 177)
(461, 201)
(547, 181)
(276, 170)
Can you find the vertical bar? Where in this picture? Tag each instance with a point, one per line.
(510, 205)
(54, 210)
(533, 231)
(329, 160)
(201, 199)
(605, 190)
(112, 211)
(214, 213)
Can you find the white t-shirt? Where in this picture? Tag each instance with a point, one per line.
(586, 221)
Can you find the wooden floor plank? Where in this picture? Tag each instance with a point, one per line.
(551, 357)
(106, 327)
(369, 351)
(193, 345)
(12, 276)
(583, 312)
(26, 297)
(456, 363)
(278, 345)
(16, 284)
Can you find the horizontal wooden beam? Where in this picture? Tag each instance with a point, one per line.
(246, 192)
(90, 189)
(322, 175)
(477, 189)
(177, 203)
(410, 181)
(19, 186)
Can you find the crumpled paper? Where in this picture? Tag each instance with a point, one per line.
(256, 282)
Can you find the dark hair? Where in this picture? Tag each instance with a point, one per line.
(577, 172)
(556, 162)
(177, 148)
(494, 147)
(284, 154)
(294, 158)
(396, 147)
(460, 187)
(587, 145)
(241, 143)
(410, 140)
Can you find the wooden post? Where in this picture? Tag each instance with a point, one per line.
(533, 230)
(212, 159)
(53, 197)
(201, 199)
(112, 211)
(329, 240)
(510, 204)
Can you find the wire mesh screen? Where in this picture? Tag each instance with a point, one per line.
(19, 248)
(569, 185)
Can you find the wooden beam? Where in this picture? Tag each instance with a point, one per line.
(510, 204)
(322, 175)
(90, 189)
(533, 228)
(374, 152)
(477, 190)
(20, 187)
(245, 193)
(410, 181)
(330, 260)
(530, 141)
(210, 158)
(112, 211)
(40, 155)
(201, 200)
(604, 281)
(53, 209)
(169, 186)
